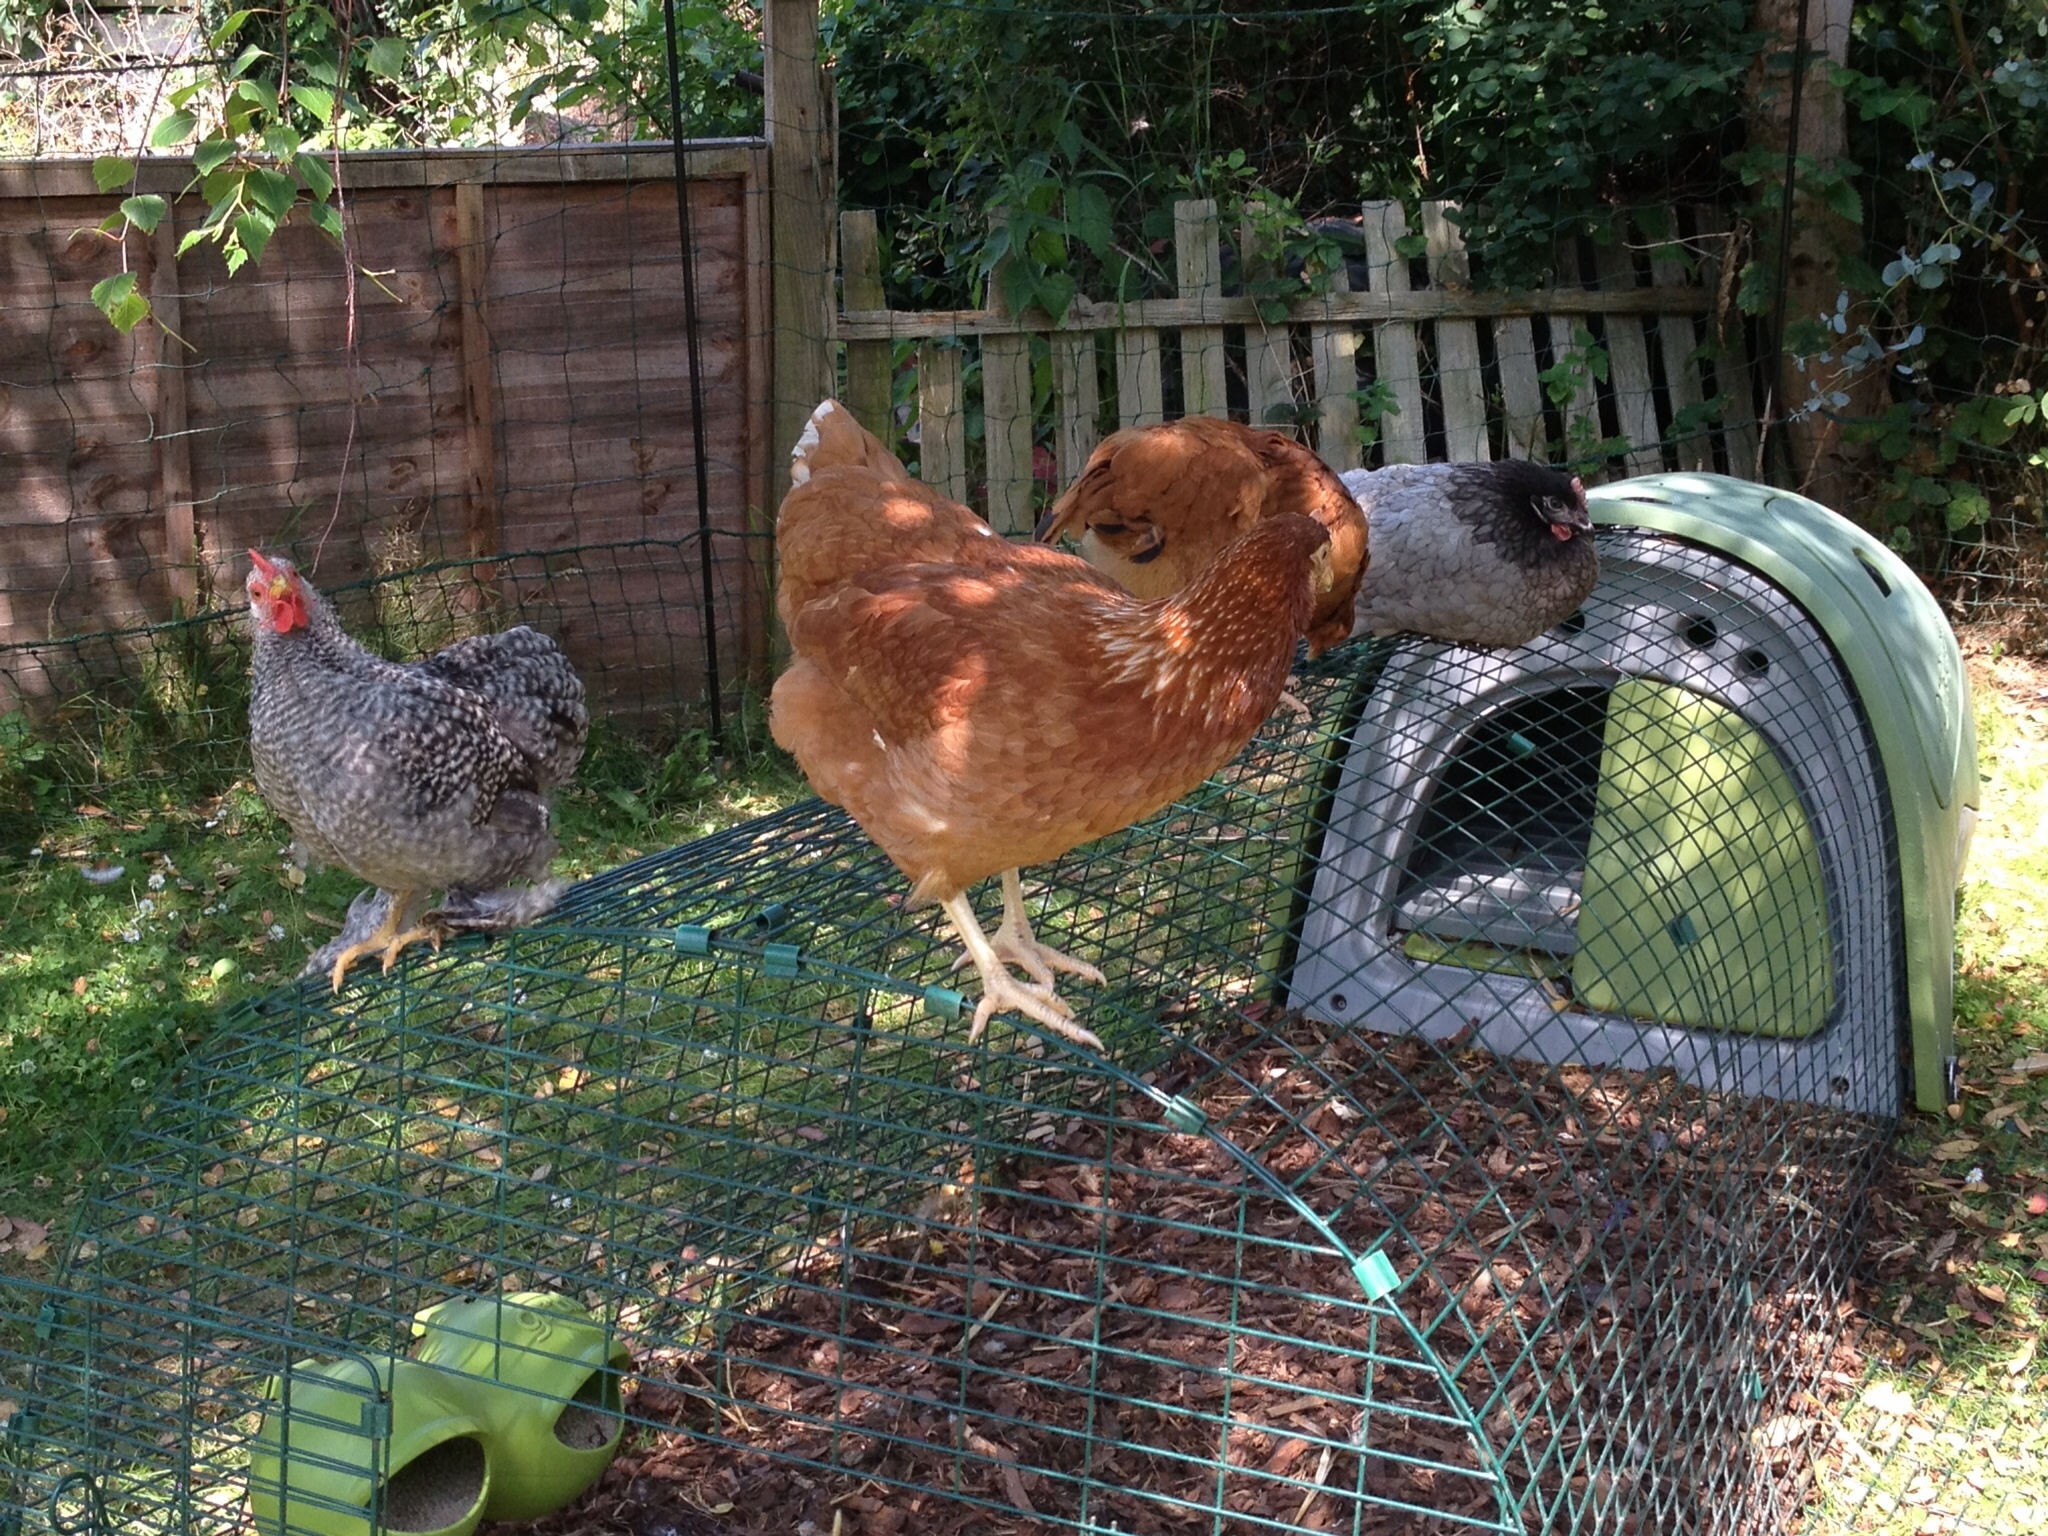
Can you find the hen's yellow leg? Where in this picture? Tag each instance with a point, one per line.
(1014, 941)
(1002, 992)
(394, 917)
(387, 940)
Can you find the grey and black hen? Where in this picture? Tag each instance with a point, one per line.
(1487, 555)
(415, 776)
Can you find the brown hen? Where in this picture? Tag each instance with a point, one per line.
(1155, 505)
(999, 706)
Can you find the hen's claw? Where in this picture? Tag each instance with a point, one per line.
(1002, 992)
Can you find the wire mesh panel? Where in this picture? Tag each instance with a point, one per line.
(1249, 1271)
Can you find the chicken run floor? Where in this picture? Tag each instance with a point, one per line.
(693, 1468)
(878, 1278)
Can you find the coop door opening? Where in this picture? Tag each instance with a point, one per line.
(1640, 849)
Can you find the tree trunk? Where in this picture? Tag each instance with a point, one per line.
(1824, 466)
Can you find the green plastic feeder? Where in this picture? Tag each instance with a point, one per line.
(359, 1447)
(541, 1378)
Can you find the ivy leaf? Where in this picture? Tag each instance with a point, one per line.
(111, 171)
(273, 192)
(316, 99)
(175, 129)
(387, 57)
(144, 212)
(212, 154)
(1843, 200)
(117, 299)
(253, 229)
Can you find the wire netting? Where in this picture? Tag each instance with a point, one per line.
(1597, 1054)
(724, 1099)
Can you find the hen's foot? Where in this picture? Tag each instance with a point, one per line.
(1002, 992)
(386, 940)
(1014, 942)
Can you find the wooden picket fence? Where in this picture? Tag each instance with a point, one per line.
(1461, 368)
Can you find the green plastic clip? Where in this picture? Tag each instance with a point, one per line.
(944, 1002)
(693, 939)
(780, 959)
(1186, 1117)
(1376, 1275)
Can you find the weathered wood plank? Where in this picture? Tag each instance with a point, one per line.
(1268, 347)
(1076, 401)
(173, 446)
(1679, 344)
(1198, 271)
(1733, 380)
(1461, 382)
(1333, 350)
(1006, 423)
(1403, 437)
(1359, 308)
(760, 629)
(396, 169)
(942, 421)
(1582, 407)
(1635, 406)
(867, 362)
(800, 226)
(1139, 398)
(479, 407)
(1521, 388)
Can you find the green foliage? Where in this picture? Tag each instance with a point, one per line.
(1542, 119)
(1947, 308)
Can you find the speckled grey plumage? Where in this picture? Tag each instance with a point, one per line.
(417, 776)
(1463, 552)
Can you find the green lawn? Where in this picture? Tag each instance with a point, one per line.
(135, 914)
(1944, 1434)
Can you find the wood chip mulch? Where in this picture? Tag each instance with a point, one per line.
(1639, 1288)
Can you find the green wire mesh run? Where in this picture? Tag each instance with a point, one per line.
(101, 714)
(871, 1274)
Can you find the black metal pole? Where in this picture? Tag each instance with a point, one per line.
(1776, 383)
(689, 255)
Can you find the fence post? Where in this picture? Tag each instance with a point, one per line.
(869, 393)
(173, 448)
(479, 406)
(800, 199)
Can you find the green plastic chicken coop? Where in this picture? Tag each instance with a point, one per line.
(1255, 1268)
(1723, 810)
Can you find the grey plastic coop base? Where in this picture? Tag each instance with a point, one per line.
(1430, 699)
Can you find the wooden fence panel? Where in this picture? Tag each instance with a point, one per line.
(1402, 433)
(1426, 340)
(1461, 383)
(1629, 362)
(504, 369)
(1198, 269)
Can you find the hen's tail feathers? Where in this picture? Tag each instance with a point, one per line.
(532, 690)
(513, 906)
(832, 437)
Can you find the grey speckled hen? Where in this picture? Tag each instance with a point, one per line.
(1477, 554)
(416, 777)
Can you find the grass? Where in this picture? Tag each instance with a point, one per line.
(1943, 1433)
(129, 916)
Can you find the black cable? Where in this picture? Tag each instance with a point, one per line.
(689, 258)
(1777, 353)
